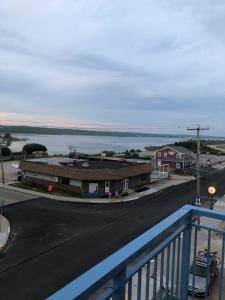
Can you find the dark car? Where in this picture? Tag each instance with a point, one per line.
(203, 271)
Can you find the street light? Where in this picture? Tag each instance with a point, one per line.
(211, 191)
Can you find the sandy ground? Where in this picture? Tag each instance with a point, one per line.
(220, 147)
(213, 158)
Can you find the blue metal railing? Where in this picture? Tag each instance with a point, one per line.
(156, 265)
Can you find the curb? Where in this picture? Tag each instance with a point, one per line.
(134, 197)
(6, 233)
(66, 199)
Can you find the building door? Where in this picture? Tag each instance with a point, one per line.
(93, 187)
(107, 186)
(125, 184)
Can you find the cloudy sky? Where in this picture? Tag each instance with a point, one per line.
(145, 65)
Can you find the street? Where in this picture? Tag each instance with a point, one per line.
(53, 242)
(9, 196)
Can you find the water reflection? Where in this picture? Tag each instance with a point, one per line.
(58, 144)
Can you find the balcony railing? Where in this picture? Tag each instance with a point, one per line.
(166, 262)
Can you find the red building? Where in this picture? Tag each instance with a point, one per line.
(176, 157)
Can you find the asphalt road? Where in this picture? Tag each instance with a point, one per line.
(10, 196)
(54, 242)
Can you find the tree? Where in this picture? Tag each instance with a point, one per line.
(73, 150)
(30, 148)
(7, 136)
(6, 151)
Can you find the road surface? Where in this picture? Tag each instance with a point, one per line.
(53, 242)
(10, 196)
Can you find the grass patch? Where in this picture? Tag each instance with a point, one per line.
(41, 189)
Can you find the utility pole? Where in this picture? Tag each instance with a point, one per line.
(2, 167)
(198, 129)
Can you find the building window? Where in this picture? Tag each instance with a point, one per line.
(125, 184)
(165, 154)
(75, 182)
(64, 180)
(178, 166)
(159, 154)
(143, 177)
(107, 186)
(40, 176)
(93, 187)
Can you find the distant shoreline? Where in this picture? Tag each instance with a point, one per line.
(66, 131)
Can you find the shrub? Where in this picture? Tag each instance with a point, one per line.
(6, 151)
(30, 148)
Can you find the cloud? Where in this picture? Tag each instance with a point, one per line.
(123, 62)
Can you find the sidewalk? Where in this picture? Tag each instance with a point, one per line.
(4, 231)
(153, 188)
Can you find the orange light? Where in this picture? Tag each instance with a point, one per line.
(211, 190)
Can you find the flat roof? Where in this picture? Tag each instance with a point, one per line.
(90, 163)
(87, 169)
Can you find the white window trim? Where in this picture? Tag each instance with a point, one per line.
(40, 176)
(125, 184)
(107, 186)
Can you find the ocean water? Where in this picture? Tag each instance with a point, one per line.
(58, 144)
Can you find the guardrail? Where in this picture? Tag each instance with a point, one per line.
(156, 265)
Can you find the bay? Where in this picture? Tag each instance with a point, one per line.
(58, 144)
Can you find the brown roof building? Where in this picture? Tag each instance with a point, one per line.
(89, 177)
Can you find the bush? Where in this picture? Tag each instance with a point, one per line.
(134, 155)
(147, 157)
(124, 193)
(30, 148)
(7, 136)
(6, 151)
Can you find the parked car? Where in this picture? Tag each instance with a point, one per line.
(203, 271)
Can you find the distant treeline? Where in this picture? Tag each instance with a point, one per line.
(66, 131)
(192, 146)
(204, 149)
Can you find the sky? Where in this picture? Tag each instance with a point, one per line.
(146, 65)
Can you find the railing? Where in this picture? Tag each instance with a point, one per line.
(156, 265)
